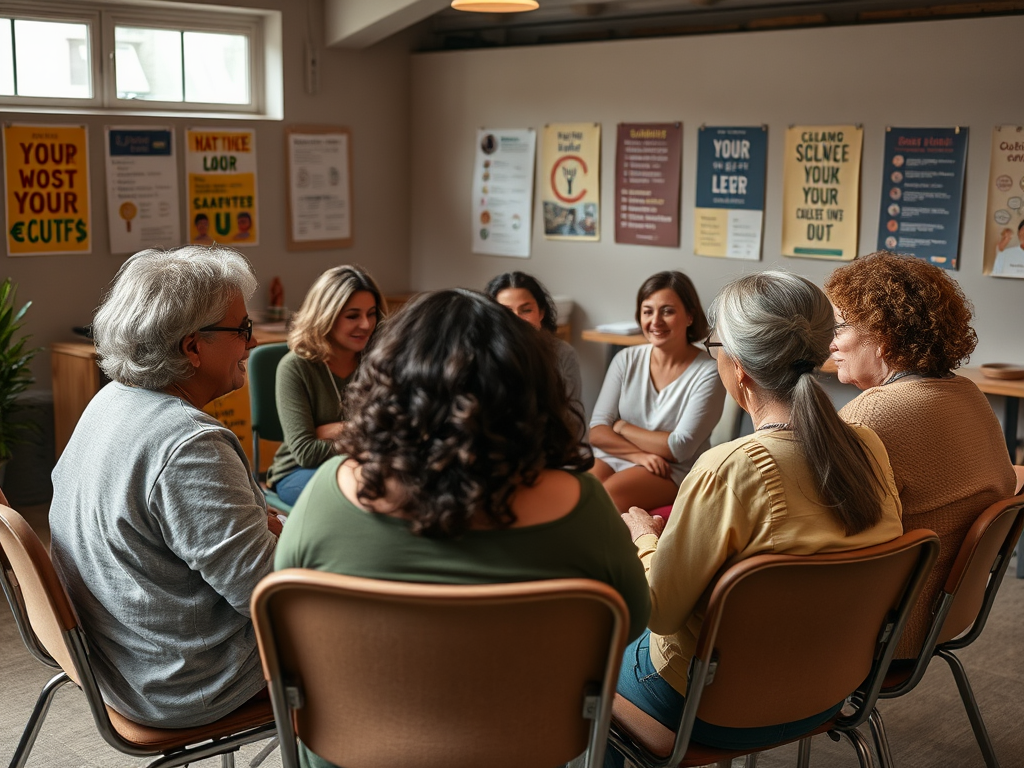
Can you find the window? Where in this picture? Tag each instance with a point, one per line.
(158, 58)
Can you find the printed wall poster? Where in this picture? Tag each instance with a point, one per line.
(319, 187)
(1004, 224)
(47, 189)
(821, 192)
(571, 181)
(731, 167)
(222, 204)
(142, 189)
(503, 191)
(647, 170)
(922, 193)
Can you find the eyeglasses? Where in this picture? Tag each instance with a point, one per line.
(712, 345)
(245, 329)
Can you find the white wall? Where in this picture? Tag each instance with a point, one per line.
(916, 74)
(368, 91)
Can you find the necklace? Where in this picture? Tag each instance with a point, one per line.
(777, 425)
(897, 376)
(181, 394)
(337, 392)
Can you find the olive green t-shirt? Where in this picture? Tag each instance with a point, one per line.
(306, 399)
(327, 532)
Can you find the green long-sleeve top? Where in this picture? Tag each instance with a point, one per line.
(306, 399)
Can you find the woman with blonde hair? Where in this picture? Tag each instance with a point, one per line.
(327, 338)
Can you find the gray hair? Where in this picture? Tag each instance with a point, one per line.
(777, 324)
(779, 327)
(157, 299)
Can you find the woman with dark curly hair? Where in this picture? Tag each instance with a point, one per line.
(902, 328)
(461, 464)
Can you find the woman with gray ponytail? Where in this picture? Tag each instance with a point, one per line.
(803, 482)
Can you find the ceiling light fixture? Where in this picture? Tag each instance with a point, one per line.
(495, 6)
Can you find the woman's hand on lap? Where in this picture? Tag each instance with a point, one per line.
(640, 523)
(653, 464)
(330, 431)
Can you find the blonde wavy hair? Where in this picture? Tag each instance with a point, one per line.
(311, 325)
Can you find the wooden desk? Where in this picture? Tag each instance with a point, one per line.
(615, 341)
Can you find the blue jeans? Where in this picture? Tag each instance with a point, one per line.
(641, 684)
(290, 486)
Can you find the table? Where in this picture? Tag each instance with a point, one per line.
(615, 341)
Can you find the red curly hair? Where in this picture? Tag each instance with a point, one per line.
(912, 309)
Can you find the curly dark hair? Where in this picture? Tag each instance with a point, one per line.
(916, 312)
(549, 322)
(687, 293)
(458, 405)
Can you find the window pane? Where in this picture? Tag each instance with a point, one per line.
(148, 64)
(216, 68)
(6, 59)
(53, 59)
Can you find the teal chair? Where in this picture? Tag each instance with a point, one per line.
(263, 362)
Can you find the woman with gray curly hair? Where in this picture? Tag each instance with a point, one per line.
(159, 531)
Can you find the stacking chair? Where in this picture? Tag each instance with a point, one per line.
(52, 633)
(377, 674)
(786, 637)
(266, 425)
(963, 604)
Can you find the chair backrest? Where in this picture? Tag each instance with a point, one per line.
(262, 368)
(422, 675)
(788, 636)
(38, 600)
(978, 570)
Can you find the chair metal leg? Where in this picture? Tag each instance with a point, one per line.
(750, 761)
(860, 744)
(803, 755)
(264, 753)
(227, 760)
(35, 721)
(880, 738)
(971, 705)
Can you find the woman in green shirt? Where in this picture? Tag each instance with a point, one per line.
(462, 466)
(327, 337)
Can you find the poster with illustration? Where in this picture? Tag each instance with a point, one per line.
(731, 167)
(922, 193)
(647, 170)
(502, 210)
(571, 181)
(821, 191)
(1004, 222)
(142, 189)
(222, 201)
(47, 189)
(319, 203)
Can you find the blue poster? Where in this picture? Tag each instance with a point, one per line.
(731, 165)
(922, 193)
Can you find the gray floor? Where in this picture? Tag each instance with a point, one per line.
(927, 729)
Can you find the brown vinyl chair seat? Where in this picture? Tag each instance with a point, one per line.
(378, 674)
(959, 617)
(52, 633)
(786, 637)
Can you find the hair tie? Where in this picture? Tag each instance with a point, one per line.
(803, 366)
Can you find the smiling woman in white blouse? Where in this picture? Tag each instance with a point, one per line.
(660, 401)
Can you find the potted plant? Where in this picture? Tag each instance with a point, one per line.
(15, 374)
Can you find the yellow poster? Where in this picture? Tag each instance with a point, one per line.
(571, 181)
(47, 184)
(821, 191)
(1004, 225)
(222, 205)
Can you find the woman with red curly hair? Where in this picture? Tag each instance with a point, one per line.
(903, 327)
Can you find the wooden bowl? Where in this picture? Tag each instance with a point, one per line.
(1003, 371)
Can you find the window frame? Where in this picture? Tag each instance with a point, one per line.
(257, 25)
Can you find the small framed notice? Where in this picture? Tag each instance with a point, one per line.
(318, 163)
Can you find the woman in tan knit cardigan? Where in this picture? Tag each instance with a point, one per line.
(902, 328)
